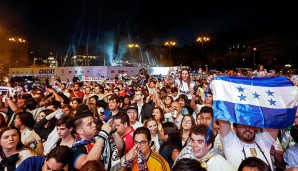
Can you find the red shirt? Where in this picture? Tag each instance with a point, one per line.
(79, 93)
(127, 138)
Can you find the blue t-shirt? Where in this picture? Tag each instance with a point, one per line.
(108, 114)
(32, 163)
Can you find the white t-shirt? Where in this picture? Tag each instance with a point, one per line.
(218, 148)
(219, 163)
(136, 125)
(184, 89)
(233, 147)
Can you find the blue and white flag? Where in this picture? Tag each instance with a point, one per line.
(261, 102)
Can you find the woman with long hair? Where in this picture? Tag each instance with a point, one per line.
(151, 124)
(187, 123)
(260, 71)
(12, 150)
(184, 104)
(172, 145)
(126, 102)
(67, 109)
(44, 127)
(24, 121)
(75, 104)
(184, 83)
(158, 115)
(3, 123)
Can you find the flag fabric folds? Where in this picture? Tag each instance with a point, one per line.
(261, 102)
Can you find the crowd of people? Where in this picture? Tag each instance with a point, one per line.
(141, 123)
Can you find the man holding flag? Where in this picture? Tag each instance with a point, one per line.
(252, 103)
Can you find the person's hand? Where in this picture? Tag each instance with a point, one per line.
(107, 126)
(153, 147)
(102, 117)
(6, 79)
(50, 90)
(133, 153)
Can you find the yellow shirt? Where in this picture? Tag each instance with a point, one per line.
(154, 162)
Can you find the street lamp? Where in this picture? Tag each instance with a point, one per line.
(254, 49)
(202, 40)
(131, 46)
(170, 44)
(17, 51)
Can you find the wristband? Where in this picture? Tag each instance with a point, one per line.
(112, 132)
(103, 134)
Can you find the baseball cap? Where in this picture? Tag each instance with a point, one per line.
(132, 107)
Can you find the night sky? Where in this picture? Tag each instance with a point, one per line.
(54, 25)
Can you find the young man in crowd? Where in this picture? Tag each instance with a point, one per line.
(141, 156)
(245, 142)
(91, 145)
(144, 109)
(124, 129)
(57, 159)
(200, 147)
(114, 103)
(132, 113)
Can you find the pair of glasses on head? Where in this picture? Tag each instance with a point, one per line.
(142, 143)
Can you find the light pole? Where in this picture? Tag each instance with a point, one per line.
(17, 50)
(170, 44)
(131, 46)
(254, 49)
(202, 40)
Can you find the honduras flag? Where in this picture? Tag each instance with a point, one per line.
(260, 102)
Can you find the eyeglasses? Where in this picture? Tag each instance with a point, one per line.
(142, 143)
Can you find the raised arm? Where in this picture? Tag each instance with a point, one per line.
(224, 127)
(272, 132)
(168, 75)
(95, 152)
